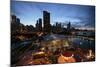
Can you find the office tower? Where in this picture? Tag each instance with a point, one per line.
(46, 22)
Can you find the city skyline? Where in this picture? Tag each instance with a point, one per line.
(79, 16)
(51, 33)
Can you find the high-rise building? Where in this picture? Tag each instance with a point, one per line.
(13, 18)
(39, 25)
(18, 20)
(46, 22)
(58, 27)
(69, 26)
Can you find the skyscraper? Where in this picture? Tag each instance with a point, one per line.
(39, 25)
(46, 22)
(69, 26)
(18, 20)
(58, 27)
(13, 19)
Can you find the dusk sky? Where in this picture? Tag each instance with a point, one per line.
(80, 16)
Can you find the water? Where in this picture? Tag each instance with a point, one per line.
(84, 43)
(76, 41)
